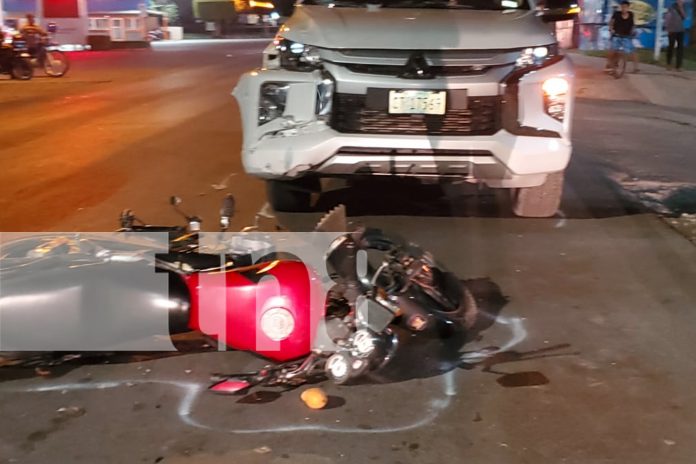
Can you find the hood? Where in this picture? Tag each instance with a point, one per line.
(416, 28)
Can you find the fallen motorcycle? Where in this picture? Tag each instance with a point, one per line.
(221, 291)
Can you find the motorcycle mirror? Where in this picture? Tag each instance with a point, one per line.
(174, 200)
(228, 206)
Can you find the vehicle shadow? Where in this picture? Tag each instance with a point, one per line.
(54, 364)
(400, 196)
(420, 358)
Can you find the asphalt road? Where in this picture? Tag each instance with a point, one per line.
(592, 311)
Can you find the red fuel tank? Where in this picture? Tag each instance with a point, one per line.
(266, 308)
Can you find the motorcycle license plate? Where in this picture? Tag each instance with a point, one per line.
(417, 101)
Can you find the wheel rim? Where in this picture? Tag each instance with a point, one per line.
(22, 71)
(55, 63)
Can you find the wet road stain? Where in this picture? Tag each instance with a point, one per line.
(523, 379)
(63, 415)
(260, 397)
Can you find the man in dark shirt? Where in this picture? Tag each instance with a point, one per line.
(622, 28)
(33, 34)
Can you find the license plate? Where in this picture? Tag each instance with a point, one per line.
(417, 102)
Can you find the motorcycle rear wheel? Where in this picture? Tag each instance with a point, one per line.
(22, 70)
(56, 63)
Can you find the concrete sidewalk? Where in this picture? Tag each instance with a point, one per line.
(653, 84)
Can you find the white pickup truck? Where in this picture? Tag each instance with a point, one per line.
(462, 89)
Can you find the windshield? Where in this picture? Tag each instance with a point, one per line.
(436, 4)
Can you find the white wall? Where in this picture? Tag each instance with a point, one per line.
(70, 30)
(176, 32)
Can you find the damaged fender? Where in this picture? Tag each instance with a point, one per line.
(299, 115)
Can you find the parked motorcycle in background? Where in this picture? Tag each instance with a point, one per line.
(46, 54)
(15, 60)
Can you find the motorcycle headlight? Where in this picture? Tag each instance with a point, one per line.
(277, 324)
(272, 101)
(536, 56)
(295, 56)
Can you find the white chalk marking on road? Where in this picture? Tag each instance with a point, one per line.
(519, 334)
(193, 390)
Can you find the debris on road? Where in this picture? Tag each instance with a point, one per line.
(71, 411)
(262, 450)
(685, 225)
(40, 371)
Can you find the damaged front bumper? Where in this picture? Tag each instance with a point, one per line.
(301, 138)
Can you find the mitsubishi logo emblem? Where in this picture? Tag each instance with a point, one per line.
(417, 67)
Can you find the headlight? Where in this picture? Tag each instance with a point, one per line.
(277, 324)
(272, 101)
(536, 56)
(555, 95)
(363, 343)
(295, 56)
(325, 91)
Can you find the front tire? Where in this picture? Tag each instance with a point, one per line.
(620, 66)
(541, 201)
(56, 63)
(22, 70)
(291, 196)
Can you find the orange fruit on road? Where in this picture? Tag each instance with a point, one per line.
(314, 398)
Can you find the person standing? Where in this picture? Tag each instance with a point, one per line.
(674, 24)
(622, 28)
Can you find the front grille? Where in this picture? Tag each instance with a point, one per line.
(436, 71)
(351, 115)
(364, 151)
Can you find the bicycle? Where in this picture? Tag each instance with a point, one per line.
(617, 64)
(53, 61)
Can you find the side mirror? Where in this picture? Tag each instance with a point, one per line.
(52, 28)
(227, 211)
(558, 10)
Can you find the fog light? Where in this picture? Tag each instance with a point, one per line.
(555, 86)
(272, 101)
(277, 324)
(555, 95)
(338, 367)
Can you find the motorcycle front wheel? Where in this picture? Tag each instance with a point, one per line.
(22, 69)
(56, 63)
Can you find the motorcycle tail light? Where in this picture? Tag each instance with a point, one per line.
(555, 95)
(277, 324)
